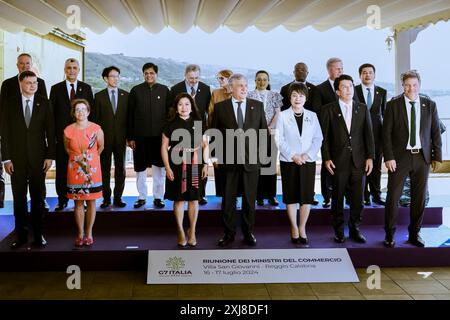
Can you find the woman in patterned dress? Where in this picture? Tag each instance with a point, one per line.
(83, 141)
(185, 161)
(272, 101)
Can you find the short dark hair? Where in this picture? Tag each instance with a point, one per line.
(149, 65)
(410, 74)
(338, 80)
(174, 108)
(366, 65)
(299, 88)
(26, 74)
(76, 102)
(107, 70)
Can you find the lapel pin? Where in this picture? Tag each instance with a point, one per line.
(377, 92)
(251, 108)
(159, 97)
(121, 93)
(339, 114)
(423, 105)
(37, 104)
(79, 89)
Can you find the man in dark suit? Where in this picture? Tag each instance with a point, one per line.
(11, 90)
(201, 93)
(374, 97)
(61, 96)
(111, 108)
(300, 73)
(347, 153)
(240, 159)
(148, 105)
(325, 94)
(28, 149)
(412, 141)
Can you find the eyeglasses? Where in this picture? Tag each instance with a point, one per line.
(81, 111)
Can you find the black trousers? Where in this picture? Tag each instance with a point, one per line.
(118, 150)
(248, 181)
(347, 179)
(25, 178)
(2, 182)
(267, 183)
(416, 167)
(326, 183)
(373, 181)
(62, 160)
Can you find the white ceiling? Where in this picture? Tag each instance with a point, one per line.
(42, 16)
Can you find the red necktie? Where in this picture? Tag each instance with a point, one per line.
(72, 92)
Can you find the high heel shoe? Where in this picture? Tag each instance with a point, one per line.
(191, 243)
(303, 240)
(89, 241)
(295, 240)
(79, 242)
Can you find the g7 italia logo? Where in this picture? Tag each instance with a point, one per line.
(175, 266)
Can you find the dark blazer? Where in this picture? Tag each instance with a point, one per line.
(376, 111)
(342, 146)
(324, 95)
(28, 146)
(287, 101)
(147, 110)
(396, 130)
(60, 100)
(224, 118)
(114, 126)
(202, 96)
(11, 88)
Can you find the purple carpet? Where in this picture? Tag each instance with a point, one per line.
(122, 238)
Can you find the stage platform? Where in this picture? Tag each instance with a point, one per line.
(123, 237)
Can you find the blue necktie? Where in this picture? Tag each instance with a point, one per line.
(240, 116)
(369, 98)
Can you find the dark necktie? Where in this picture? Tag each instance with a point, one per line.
(27, 113)
(72, 92)
(192, 92)
(240, 116)
(412, 135)
(369, 98)
(113, 101)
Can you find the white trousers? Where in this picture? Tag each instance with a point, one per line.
(159, 178)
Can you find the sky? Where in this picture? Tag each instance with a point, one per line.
(278, 50)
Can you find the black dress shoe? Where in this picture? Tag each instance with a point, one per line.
(119, 203)
(303, 240)
(367, 202)
(389, 242)
(40, 242)
(379, 201)
(339, 238)
(326, 203)
(315, 202)
(46, 206)
(159, 203)
(416, 240)
(18, 243)
(61, 205)
(139, 203)
(202, 201)
(260, 202)
(357, 237)
(2, 204)
(250, 239)
(105, 204)
(225, 240)
(273, 202)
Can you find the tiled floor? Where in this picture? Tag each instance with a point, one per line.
(396, 284)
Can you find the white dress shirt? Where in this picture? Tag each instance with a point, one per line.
(24, 104)
(347, 112)
(408, 111)
(235, 108)
(332, 84)
(188, 87)
(365, 92)
(69, 87)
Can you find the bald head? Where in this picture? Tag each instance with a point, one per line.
(301, 71)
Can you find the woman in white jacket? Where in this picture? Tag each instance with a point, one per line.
(299, 138)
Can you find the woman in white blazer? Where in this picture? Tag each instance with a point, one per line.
(299, 138)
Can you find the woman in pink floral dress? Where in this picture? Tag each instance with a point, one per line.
(83, 141)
